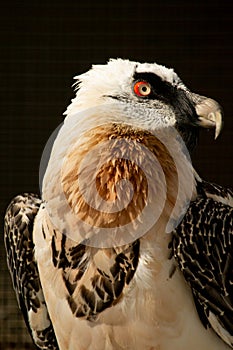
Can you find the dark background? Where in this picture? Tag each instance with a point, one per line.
(45, 43)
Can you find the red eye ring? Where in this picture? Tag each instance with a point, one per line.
(142, 88)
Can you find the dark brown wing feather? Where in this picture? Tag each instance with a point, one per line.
(19, 220)
(94, 278)
(203, 248)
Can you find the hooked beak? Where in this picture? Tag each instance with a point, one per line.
(209, 113)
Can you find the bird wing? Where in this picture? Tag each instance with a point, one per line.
(19, 220)
(203, 248)
(94, 279)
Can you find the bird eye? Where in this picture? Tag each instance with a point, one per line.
(142, 88)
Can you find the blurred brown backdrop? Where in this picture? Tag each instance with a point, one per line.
(45, 43)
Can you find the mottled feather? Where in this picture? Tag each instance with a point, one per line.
(94, 278)
(203, 247)
(19, 222)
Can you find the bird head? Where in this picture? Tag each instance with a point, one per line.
(150, 96)
(119, 155)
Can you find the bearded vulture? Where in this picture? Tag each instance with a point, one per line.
(126, 247)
